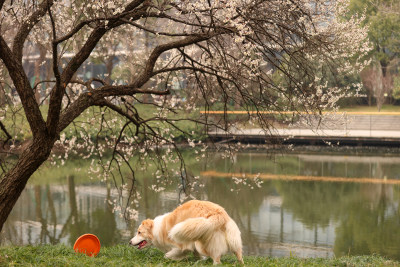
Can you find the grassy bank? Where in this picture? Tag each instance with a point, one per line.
(62, 255)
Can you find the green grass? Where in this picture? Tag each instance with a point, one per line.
(122, 255)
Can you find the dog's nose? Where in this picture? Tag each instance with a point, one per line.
(130, 242)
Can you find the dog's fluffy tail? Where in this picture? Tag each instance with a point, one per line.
(233, 236)
(195, 228)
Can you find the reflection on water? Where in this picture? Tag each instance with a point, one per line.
(324, 205)
(61, 213)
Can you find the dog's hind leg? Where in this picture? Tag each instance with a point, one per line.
(217, 260)
(177, 254)
(217, 246)
(234, 240)
(239, 256)
(199, 251)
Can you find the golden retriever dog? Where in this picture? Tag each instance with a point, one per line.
(199, 226)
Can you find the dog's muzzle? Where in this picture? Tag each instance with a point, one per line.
(139, 245)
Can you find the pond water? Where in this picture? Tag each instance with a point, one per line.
(310, 204)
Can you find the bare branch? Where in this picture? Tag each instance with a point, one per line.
(121, 90)
(117, 109)
(137, 25)
(77, 29)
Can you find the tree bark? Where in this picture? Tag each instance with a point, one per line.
(14, 182)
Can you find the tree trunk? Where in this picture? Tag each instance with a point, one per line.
(14, 182)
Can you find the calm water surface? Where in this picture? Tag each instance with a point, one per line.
(311, 204)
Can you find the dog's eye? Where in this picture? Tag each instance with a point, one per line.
(138, 232)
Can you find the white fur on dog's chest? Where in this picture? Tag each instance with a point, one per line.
(158, 227)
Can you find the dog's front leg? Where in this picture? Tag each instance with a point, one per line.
(176, 254)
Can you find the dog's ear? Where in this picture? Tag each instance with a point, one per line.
(148, 224)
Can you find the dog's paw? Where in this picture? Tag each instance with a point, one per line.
(176, 254)
(200, 258)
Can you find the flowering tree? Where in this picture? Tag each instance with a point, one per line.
(254, 54)
(382, 18)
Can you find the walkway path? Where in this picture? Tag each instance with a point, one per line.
(321, 133)
(359, 129)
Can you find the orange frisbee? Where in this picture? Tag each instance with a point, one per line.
(88, 244)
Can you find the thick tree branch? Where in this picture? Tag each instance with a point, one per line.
(4, 129)
(1, 4)
(54, 49)
(134, 4)
(92, 41)
(72, 67)
(87, 100)
(128, 10)
(57, 93)
(27, 26)
(81, 56)
(22, 85)
(157, 51)
(77, 29)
